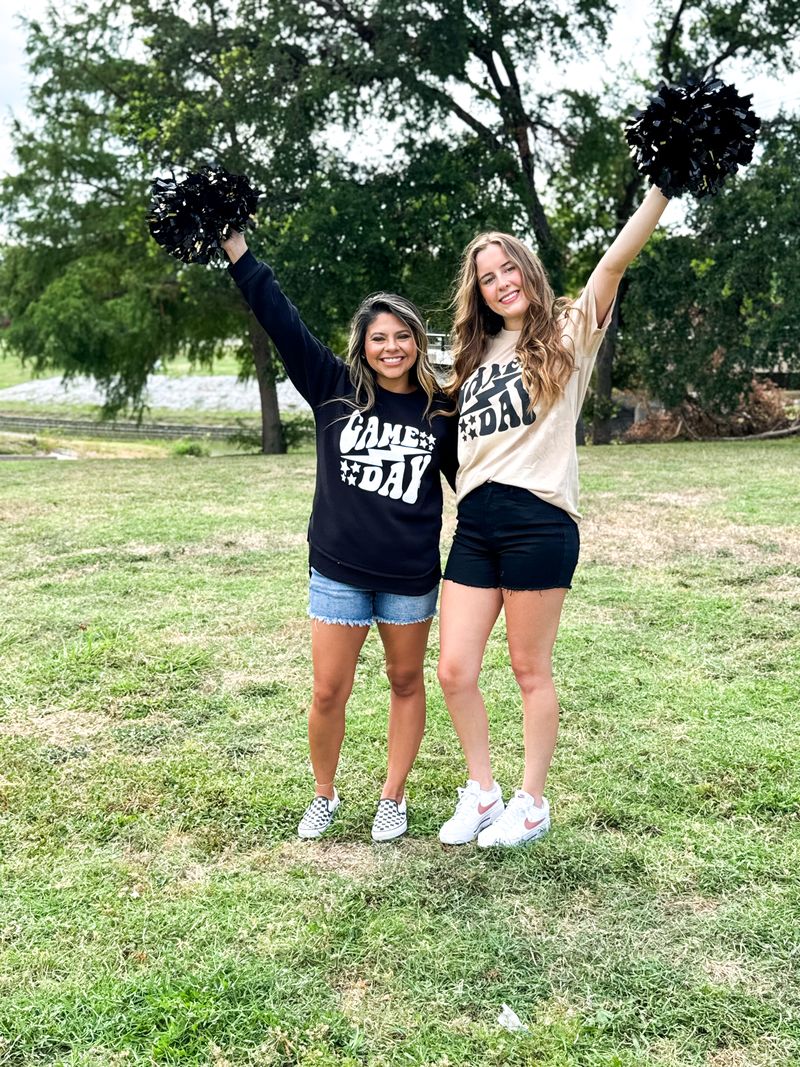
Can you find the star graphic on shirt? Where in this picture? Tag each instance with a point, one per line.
(469, 427)
(344, 477)
(356, 467)
(345, 466)
(427, 440)
(352, 479)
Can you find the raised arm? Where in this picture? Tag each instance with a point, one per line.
(235, 247)
(313, 369)
(626, 246)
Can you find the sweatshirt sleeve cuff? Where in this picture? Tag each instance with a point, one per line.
(243, 268)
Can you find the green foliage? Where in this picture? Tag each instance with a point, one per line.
(123, 90)
(708, 309)
(190, 448)
(360, 230)
(84, 288)
(298, 431)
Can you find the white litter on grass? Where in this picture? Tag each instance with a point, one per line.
(509, 1019)
(191, 393)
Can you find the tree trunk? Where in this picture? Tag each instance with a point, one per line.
(603, 406)
(549, 251)
(271, 433)
(580, 431)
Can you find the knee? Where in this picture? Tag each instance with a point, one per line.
(405, 681)
(532, 677)
(329, 697)
(455, 677)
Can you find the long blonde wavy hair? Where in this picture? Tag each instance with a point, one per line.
(362, 375)
(546, 361)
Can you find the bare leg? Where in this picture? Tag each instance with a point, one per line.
(334, 653)
(467, 617)
(532, 619)
(405, 652)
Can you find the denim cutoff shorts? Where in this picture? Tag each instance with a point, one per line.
(335, 602)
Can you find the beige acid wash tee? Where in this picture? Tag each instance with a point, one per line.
(499, 441)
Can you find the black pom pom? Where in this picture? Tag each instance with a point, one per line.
(691, 137)
(189, 218)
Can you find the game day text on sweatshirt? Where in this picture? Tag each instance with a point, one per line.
(377, 511)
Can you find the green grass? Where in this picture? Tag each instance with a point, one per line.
(155, 906)
(12, 372)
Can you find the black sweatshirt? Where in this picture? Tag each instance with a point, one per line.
(377, 511)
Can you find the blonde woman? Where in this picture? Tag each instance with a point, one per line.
(375, 523)
(522, 362)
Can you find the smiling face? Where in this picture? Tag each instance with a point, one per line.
(500, 285)
(391, 352)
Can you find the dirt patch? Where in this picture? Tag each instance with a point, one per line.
(220, 545)
(745, 1057)
(702, 906)
(253, 541)
(647, 535)
(728, 973)
(782, 587)
(58, 726)
(19, 513)
(352, 995)
(353, 859)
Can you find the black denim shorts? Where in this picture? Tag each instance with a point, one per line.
(509, 538)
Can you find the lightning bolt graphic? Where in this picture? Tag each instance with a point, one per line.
(381, 455)
(481, 399)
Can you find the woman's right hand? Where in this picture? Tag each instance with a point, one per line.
(235, 246)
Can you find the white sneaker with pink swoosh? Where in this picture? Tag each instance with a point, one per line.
(474, 811)
(523, 821)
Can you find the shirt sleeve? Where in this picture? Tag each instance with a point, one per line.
(586, 336)
(313, 369)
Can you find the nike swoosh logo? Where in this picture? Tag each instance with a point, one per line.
(532, 825)
(483, 808)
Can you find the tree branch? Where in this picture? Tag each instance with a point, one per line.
(726, 53)
(337, 8)
(484, 132)
(665, 52)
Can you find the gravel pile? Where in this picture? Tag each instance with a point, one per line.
(192, 393)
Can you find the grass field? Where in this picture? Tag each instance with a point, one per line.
(155, 906)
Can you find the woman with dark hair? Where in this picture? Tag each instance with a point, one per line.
(522, 362)
(382, 440)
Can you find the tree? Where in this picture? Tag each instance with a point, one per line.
(707, 310)
(597, 182)
(467, 64)
(85, 288)
(261, 86)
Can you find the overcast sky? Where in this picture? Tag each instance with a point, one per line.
(628, 40)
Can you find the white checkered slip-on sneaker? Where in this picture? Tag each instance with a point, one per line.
(472, 814)
(521, 823)
(318, 816)
(391, 820)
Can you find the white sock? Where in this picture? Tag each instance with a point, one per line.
(489, 794)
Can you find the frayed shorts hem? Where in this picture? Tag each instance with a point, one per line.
(533, 588)
(405, 622)
(509, 588)
(340, 622)
(369, 622)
